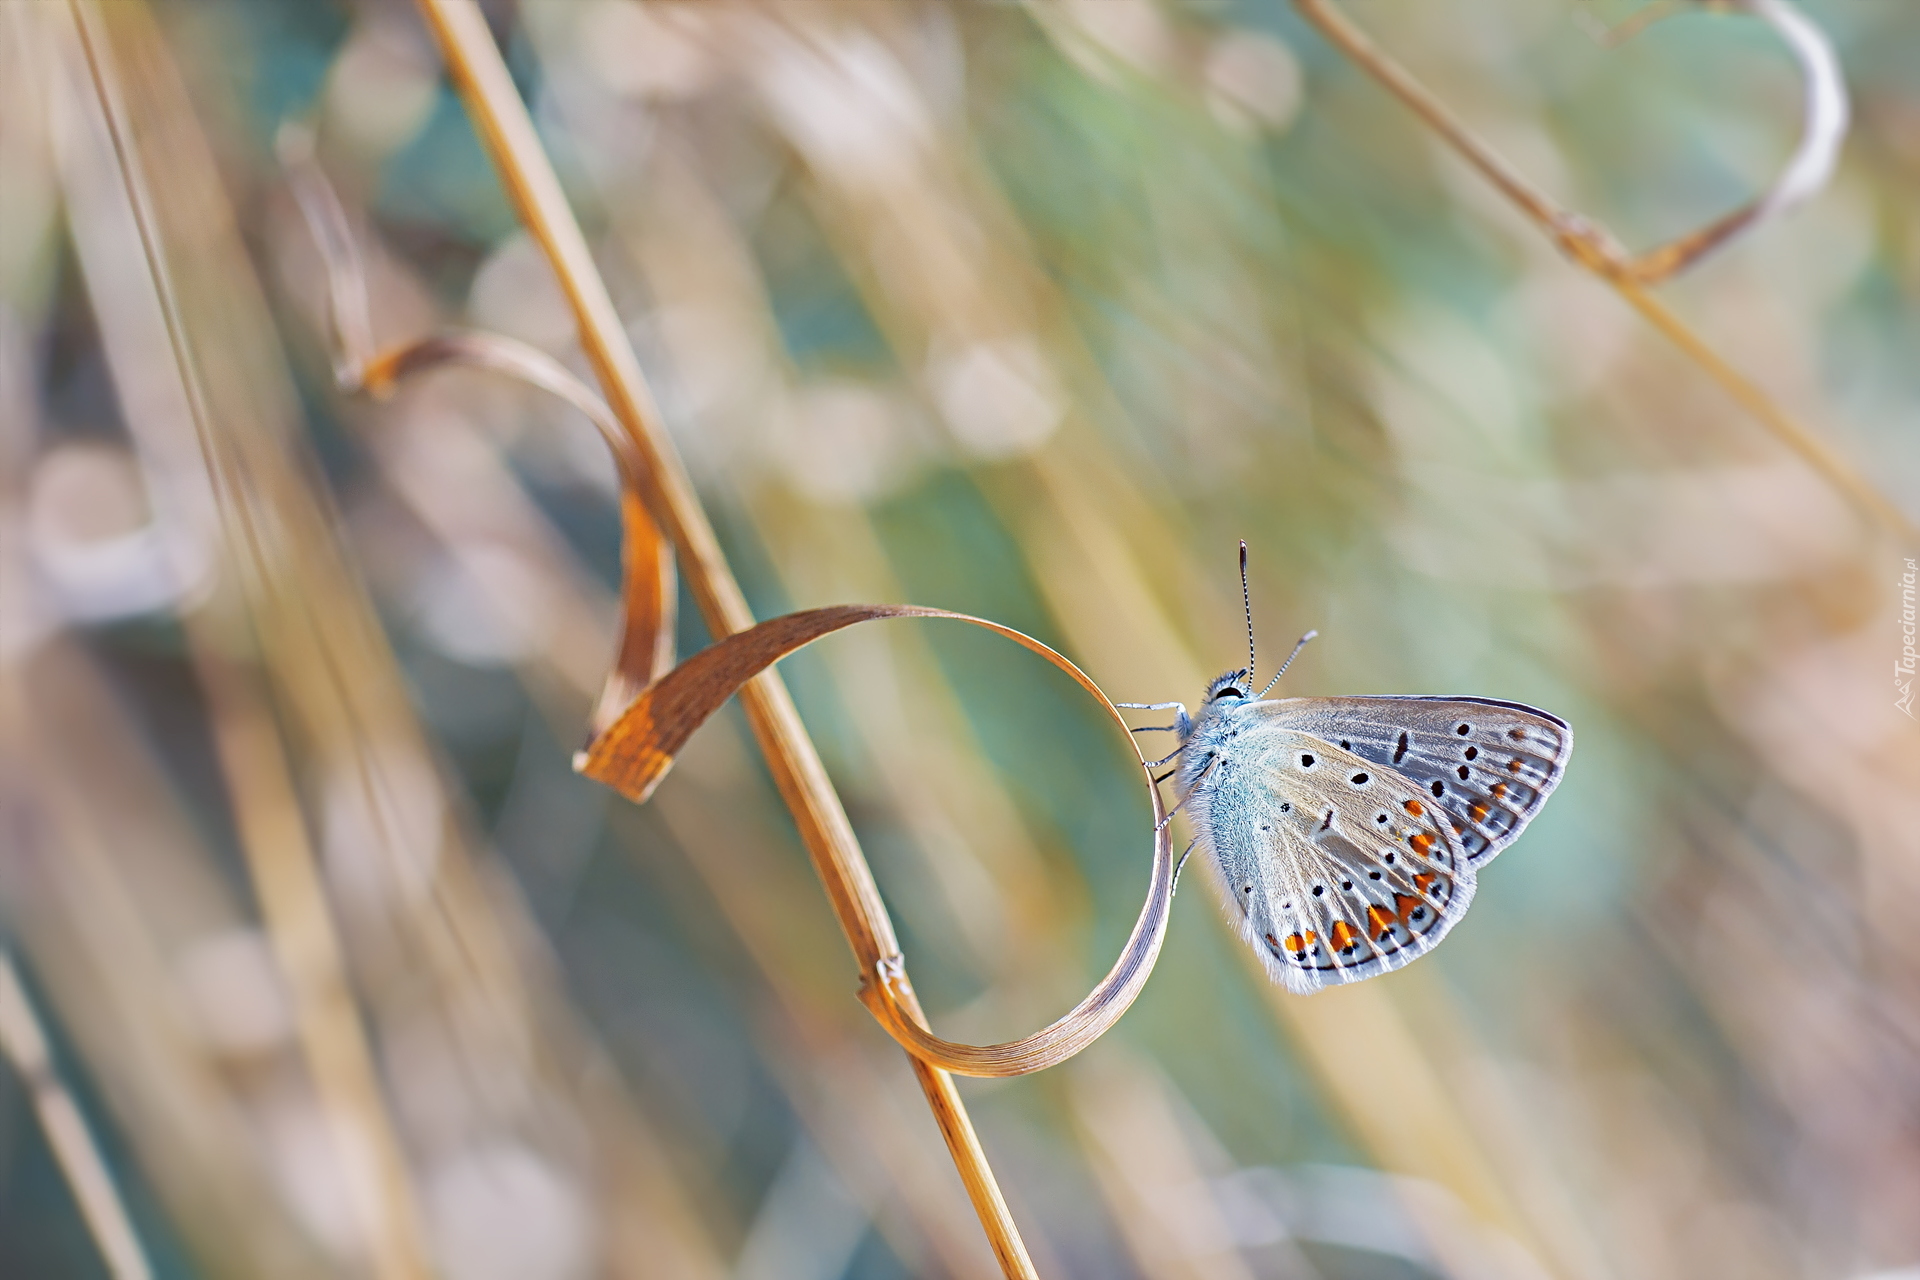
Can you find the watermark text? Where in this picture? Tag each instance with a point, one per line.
(1903, 667)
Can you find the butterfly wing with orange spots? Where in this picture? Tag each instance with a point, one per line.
(1334, 868)
(1489, 764)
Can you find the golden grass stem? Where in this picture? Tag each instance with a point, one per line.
(507, 132)
(24, 1043)
(281, 860)
(1590, 246)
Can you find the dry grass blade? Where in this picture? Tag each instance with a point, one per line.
(507, 132)
(1823, 128)
(81, 1163)
(1594, 248)
(648, 586)
(635, 753)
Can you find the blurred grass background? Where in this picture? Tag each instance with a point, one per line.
(1030, 311)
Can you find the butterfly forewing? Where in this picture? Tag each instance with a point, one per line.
(1489, 765)
(1335, 868)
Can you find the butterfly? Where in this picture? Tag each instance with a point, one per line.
(1346, 832)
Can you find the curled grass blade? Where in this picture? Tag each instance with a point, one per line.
(1592, 247)
(648, 589)
(637, 750)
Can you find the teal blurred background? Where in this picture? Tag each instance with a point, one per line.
(1028, 310)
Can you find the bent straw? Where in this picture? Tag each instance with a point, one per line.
(648, 595)
(1590, 246)
(634, 754)
(506, 131)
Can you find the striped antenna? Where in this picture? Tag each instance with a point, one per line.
(1246, 598)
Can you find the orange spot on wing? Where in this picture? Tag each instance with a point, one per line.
(1518, 735)
(1478, 811)
(1425, 880)
(1380, 920)
(1406, 906)
(1421, 842)
(1414, 807)
(1515, 766)
(1296, 943)
(1499, 789)
(1343, 935)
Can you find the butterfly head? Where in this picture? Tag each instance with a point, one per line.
(1234, 684)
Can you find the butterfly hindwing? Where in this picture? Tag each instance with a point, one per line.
(1335, 869)
(1489, 764)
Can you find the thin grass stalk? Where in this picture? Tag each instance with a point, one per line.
(1592, 248)
(24, 1043)
(281, 860)
(507, 132)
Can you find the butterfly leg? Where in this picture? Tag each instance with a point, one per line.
(1183, 861)
(1211, 761)
(1155, 764)
(1181, 723)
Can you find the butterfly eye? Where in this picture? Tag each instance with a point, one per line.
(1228, 693)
